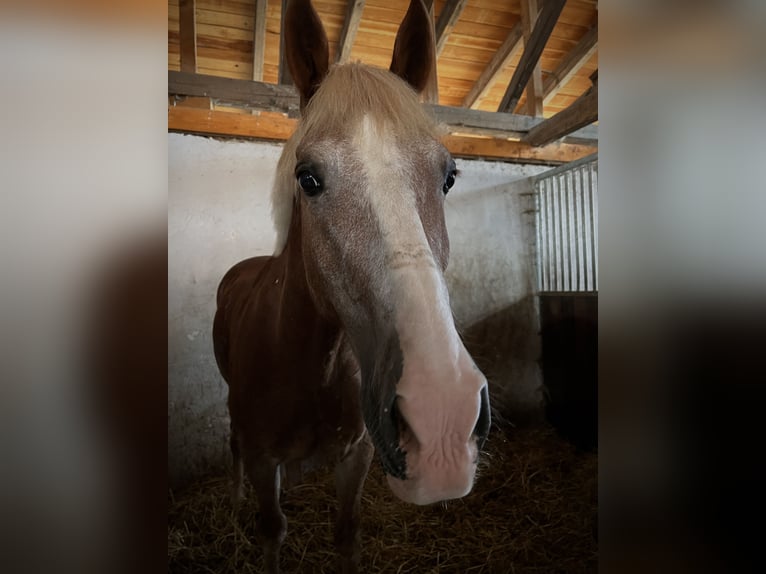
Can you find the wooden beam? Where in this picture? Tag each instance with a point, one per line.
(190, 102)
(514, 151)
(259, 39)
(448, 17)
(261, 96)
(511, 45)
(584, 136)
(479, 122)
(272, 126)
(235, 92)
(534, 103)
(533, 49)
(582, 112)
(350, 28)
(571, 64)
(187, 32)
(284, 76)
(266, 125)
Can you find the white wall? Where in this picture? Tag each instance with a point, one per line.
(219, 213)
(488, 267)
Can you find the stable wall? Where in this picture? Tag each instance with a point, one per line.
(219, 213)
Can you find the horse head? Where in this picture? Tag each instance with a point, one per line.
(368, 176)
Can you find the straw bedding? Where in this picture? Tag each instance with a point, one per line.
(533, 509)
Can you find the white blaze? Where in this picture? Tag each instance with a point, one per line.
(413, 278)
(438, 393)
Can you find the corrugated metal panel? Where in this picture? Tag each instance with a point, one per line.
(567, 227)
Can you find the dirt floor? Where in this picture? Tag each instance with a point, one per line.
(534, 509)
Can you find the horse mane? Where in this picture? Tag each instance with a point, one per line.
(346, 95)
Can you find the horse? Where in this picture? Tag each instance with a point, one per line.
(343, 342)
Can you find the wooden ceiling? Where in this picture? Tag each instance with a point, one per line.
(481, 43)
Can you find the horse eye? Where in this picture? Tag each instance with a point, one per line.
(450, 181)
(309, 183)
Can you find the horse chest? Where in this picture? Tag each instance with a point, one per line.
(303, 407)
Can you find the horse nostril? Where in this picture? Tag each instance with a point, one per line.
(388, 440)
(481, 430)
(399, 422)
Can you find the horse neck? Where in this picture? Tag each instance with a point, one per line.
(296, 291)
(291, 257)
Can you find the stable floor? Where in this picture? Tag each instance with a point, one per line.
(534, 509)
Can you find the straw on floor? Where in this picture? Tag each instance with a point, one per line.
(534, 509)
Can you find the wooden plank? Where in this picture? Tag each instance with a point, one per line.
(223, 32)
(272, 126)
(244, 74)
(241, 50)
(546, 20)
(188, 35)
(237, 21)
(387, 22)
(350, 28)
(448, 17)
(259, 39)
(502, 14)
(507, 51)
(467, 55)
(231, 50)
(227, 6)
(581, 113)
(571, 64)
(257, 95)
(534, 104)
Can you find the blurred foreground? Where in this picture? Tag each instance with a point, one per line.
(83, 285)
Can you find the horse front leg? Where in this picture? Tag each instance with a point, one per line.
(350, 473)
(272, 524)
(237, 489)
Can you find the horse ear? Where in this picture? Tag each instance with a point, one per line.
(414, 49)
(306, 48)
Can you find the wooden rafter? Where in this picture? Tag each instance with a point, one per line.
(448, 17)
(187, 32)
(546, 20)
(582, 112)
(270, 97)
(259, 39)
(431, 93)
(534, 103)
(511, 45)
(284, 70)
(350, 28)
(226, 35)
(570, 65)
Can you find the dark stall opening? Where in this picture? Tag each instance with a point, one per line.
(569, 332)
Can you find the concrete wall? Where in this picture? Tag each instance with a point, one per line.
(219, 213)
